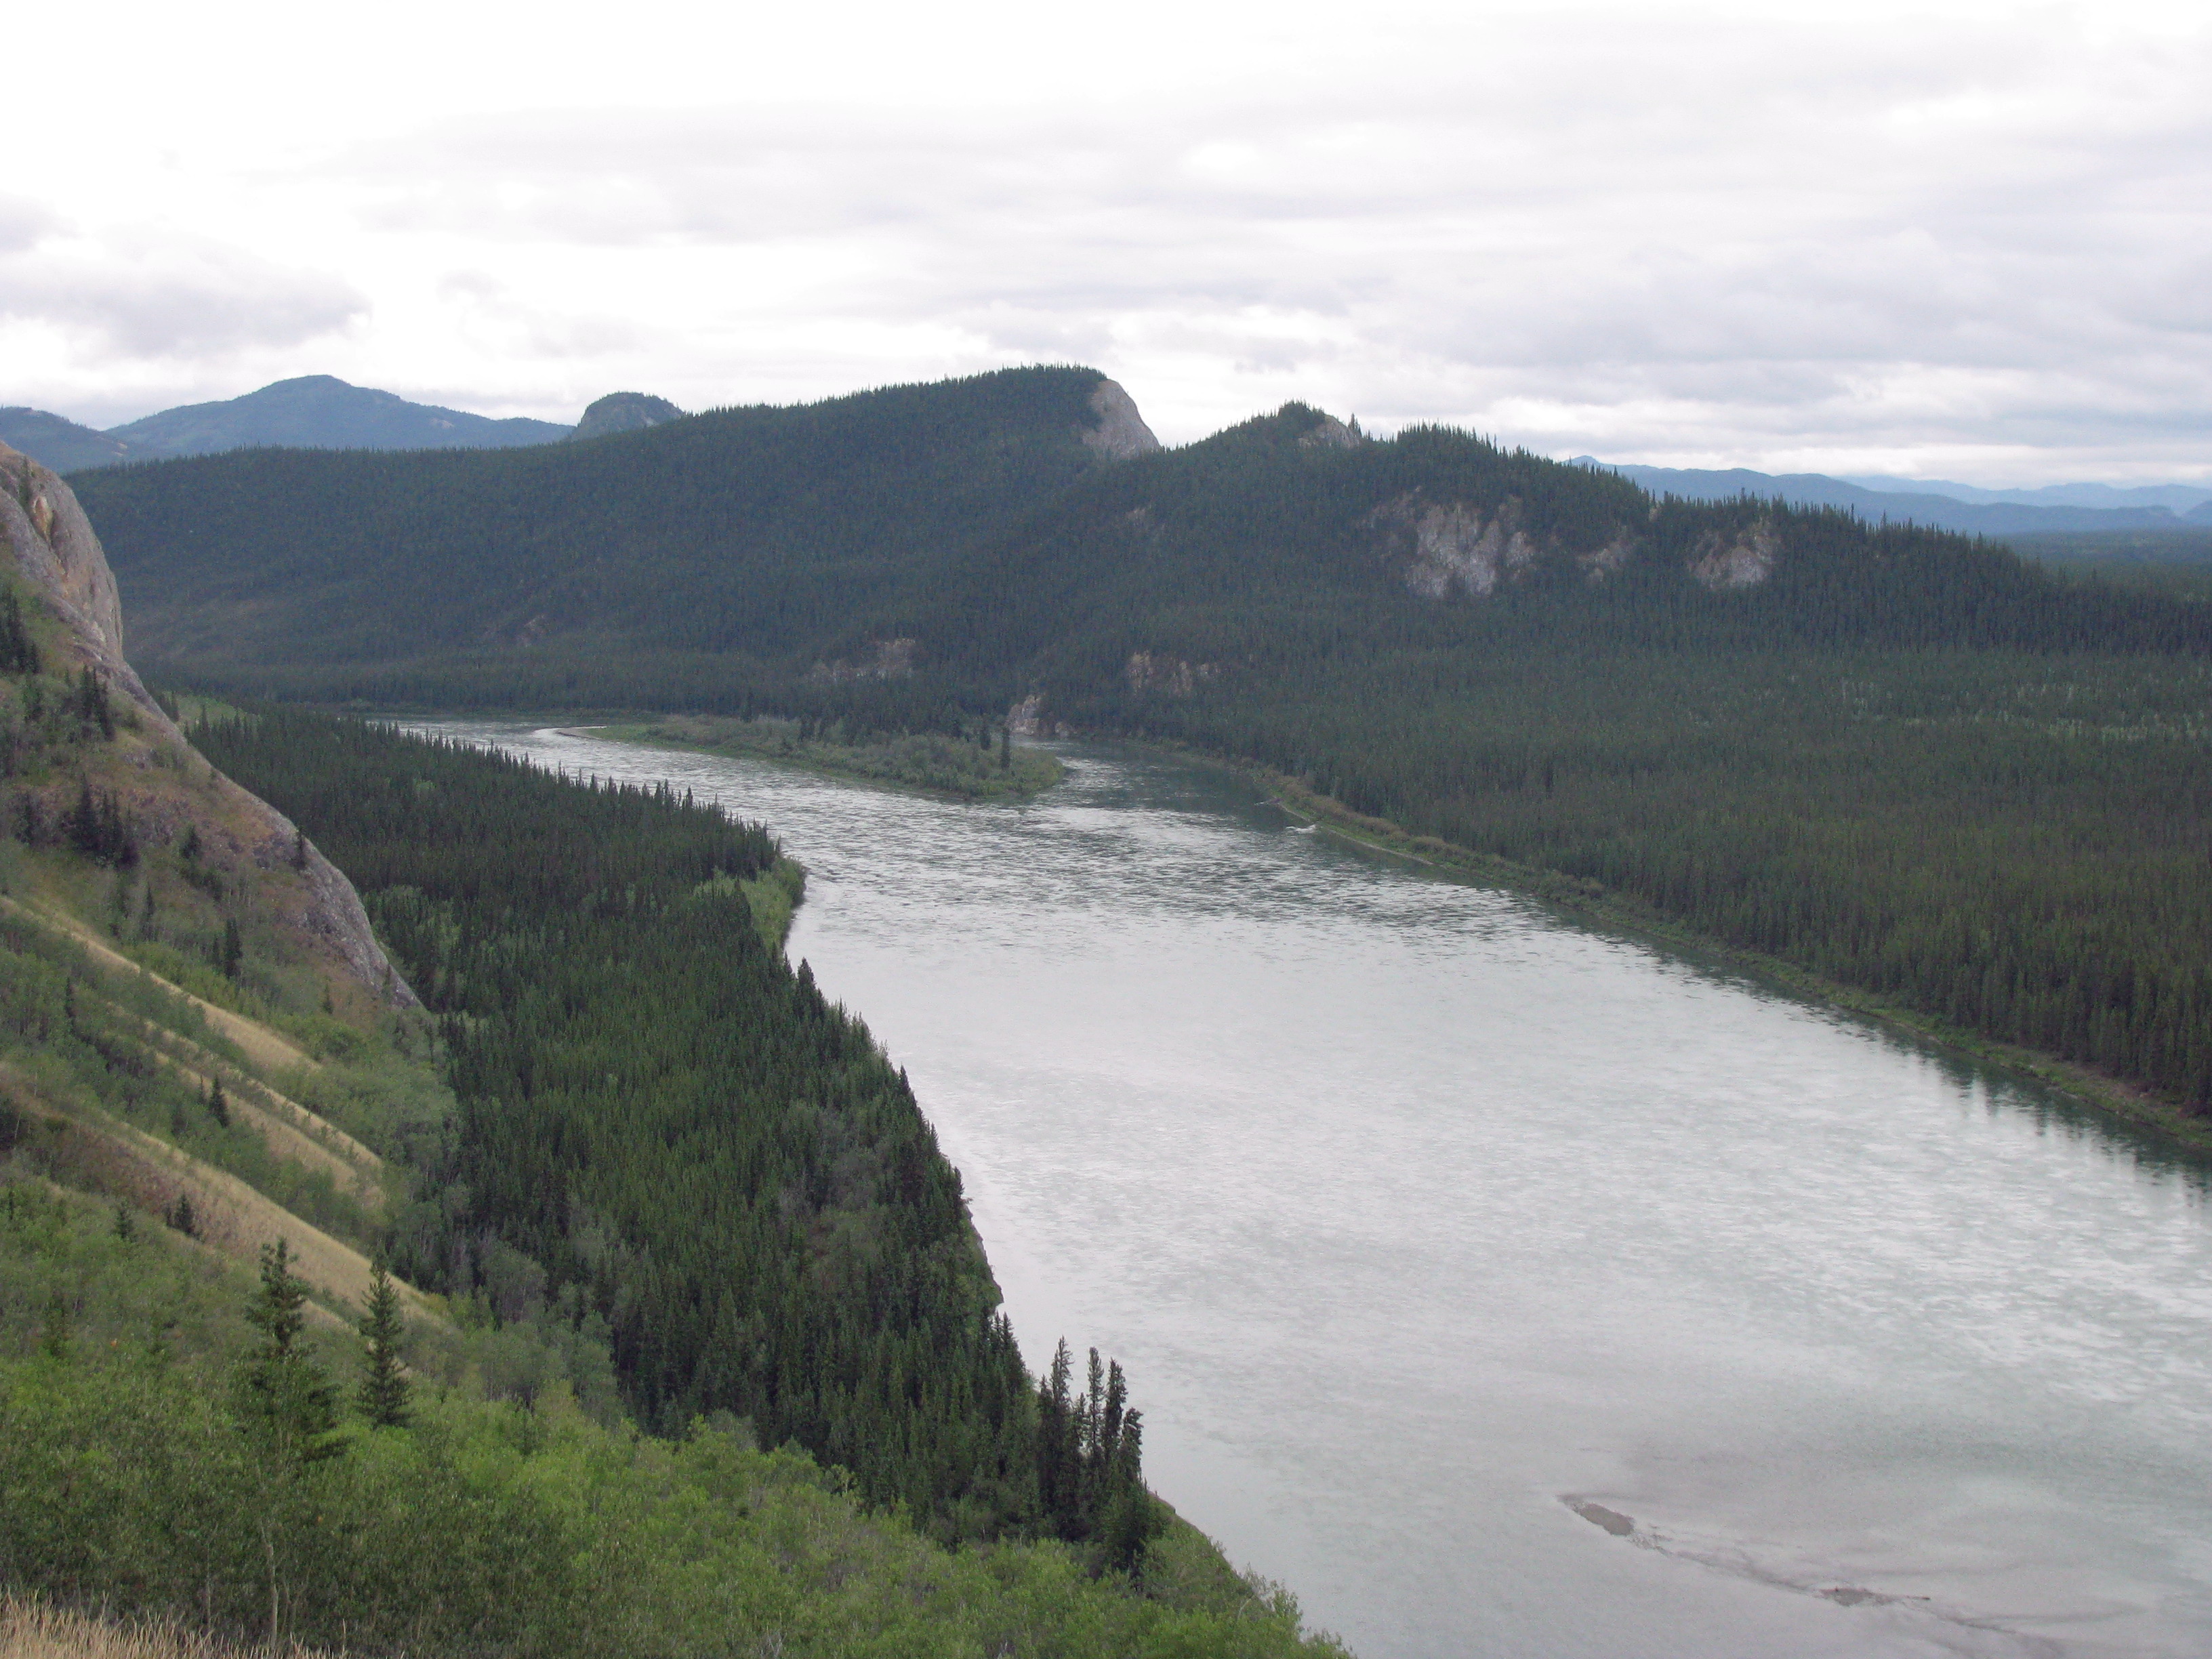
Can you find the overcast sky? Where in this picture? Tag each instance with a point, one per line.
(1971, 241)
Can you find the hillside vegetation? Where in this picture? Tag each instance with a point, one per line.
(743, 534)
(1959, 784)
(330, 1317)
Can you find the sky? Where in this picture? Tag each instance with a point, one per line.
(1953, 240)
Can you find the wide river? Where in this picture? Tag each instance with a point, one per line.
(1509, 1288)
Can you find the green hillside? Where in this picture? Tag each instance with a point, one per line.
(751, 532)
(610, 1298)
(1965, 788)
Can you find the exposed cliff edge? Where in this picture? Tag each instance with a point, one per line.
(1120, 434)
(52, 547)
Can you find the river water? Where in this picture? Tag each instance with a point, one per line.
(1510, 1288)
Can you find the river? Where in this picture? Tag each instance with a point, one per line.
(1508, 1287)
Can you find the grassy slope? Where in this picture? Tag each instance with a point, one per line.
(120, 1333)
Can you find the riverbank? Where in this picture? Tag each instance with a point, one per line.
(931, 762)
(1590, 901)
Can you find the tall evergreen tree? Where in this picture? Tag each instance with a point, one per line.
(384, 1388)
(285, 1391)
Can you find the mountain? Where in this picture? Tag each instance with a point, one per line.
(744, 534)
(1933, 510)
(2175, 498)
(55, 442)
(625, 411)
(968, 541)
(1871, 750)
(320, 411)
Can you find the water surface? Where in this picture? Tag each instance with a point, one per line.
(1420, 1215)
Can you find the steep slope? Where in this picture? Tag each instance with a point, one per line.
(133, 758)
(320, 411)
(751, 532)
(177, 960)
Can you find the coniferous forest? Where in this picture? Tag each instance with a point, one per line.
(667, 1135)
(1908, 762)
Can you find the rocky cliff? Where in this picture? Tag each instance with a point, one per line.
(1120, 434)
(166, 788)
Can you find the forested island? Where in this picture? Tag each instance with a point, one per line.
(967, 763)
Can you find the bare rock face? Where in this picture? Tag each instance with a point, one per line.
(1329, 433)
(1745, 561)
(1120, 434)
(1457, 547)
(1452, 547)
(53, 547)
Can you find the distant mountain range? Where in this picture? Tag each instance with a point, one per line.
(2056, 510)
(315, 411)
(2177, 498)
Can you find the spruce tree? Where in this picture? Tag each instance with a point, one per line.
(286, 1393)
(383, 1397)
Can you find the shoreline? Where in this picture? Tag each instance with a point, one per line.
(1588, 901)
(620, 733)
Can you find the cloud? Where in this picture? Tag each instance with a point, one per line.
(146, 294)
(24, 224)
(1721, 231)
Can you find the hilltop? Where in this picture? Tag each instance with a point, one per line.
(736, 537)
(311, 411)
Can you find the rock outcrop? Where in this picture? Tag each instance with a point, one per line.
(1457, 547)
(1120, 434)
(1744, 560)
(52, 545)
(1329, 433)
(625, 411)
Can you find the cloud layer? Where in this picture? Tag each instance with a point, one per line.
(1973, 243)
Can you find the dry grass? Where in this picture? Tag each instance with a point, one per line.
(256, 1041)
(32, 1630)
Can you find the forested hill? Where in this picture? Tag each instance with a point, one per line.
(964, 542)
(746, 532)
(1288, 540)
